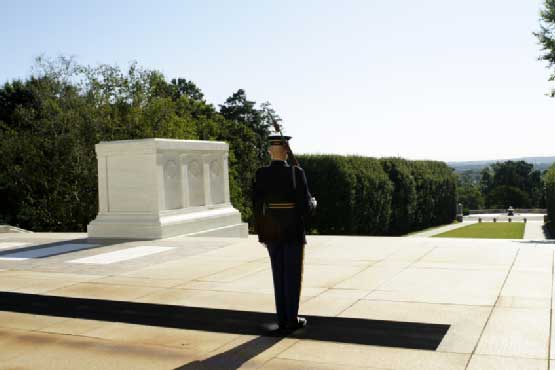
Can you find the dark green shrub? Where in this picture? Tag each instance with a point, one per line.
(332, 183)
(403, 203)
(503, 196)
(549, 181)
(353, 193)
(372, 198)
(436, 193)
(366, 196)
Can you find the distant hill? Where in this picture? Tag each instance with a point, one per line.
(540, 163)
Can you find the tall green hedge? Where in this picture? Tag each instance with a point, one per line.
(371, 211)
(549, 181)
(436, 189)
(368, 196)
(404, 200)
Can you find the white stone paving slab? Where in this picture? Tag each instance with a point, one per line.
(479, 362)
(469, 287)
(494, 294)
(466, 322)
(45, 252)
(516, 332)
(7, 245)
(374, 356)
(122, 255)
(534, 230)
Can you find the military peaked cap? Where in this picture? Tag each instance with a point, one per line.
(278, 139)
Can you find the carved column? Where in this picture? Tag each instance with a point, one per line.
(225, 175)
(103, 204)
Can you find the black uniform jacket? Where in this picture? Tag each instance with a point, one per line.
(280, 204)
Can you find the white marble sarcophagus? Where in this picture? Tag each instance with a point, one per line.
(158, 188)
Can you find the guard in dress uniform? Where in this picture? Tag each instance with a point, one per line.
(281, 202)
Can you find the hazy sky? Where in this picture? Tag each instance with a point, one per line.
(436, 79)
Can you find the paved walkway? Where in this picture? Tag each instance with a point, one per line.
(442, 229)
(495, 295)
(534, 231)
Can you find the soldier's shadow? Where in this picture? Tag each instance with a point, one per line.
(235, 357)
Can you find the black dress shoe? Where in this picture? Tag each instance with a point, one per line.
(301, 323)
(269, 328)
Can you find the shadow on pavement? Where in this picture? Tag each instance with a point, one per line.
(235, 357)
(321, 328)
(536, 241)
(52, 249)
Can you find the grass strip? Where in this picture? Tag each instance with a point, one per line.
(487, 230)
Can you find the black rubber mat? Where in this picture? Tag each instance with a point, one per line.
(335, 329)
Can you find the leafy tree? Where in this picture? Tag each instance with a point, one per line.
(523, 184)
(238, 109)
(469, 190)
(183, 87)
(549, 179)
(470, 196)
(47, 172)
(486, 180)
(536, 189)
(469, 177)
(50, 123)
(503, 196)
(546, 38)
(249, 128)
(512, 173)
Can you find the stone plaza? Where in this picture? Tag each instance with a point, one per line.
(167, 278)
(495, 298)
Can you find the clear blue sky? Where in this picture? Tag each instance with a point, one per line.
(437, 79)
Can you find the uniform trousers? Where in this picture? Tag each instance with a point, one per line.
(287, 270)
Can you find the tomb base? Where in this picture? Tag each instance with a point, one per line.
(223, 221)
(159, 188)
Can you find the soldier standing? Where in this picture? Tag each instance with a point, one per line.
(281, 201)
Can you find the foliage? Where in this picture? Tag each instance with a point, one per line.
(247, 130)
(467, 176)
(468, 191)
(372, 197)
(378, 197)
(50, 122)
(48, 171)
(436, 193)
(486, 180)
(470, 196)
(517, 174)
(403, 203)
(503, 196)
(487, 230)
(345, 207)
(546, 38)
(513, 183)
(549, 180)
